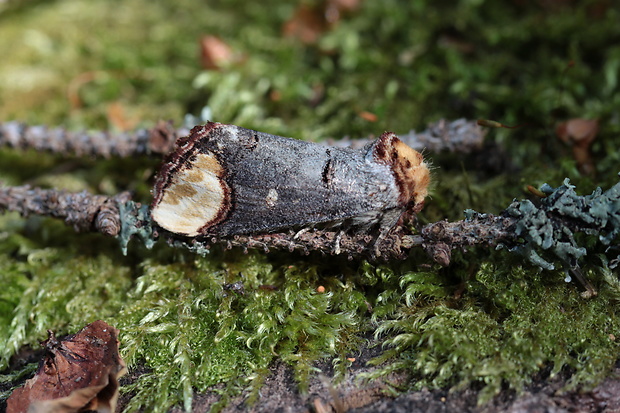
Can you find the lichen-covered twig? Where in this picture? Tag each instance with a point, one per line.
(460, 135)
(456, 136)
(550, 226)
(83, 211)
(159, 140)
(542, 233)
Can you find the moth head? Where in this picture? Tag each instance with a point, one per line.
(411, 173)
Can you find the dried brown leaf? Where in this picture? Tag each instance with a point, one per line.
(214, 53)
(307, 24)
(369, 116)
(580, 133)
(119, 118)
(79, 373)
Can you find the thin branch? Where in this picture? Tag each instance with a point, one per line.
(83, 211)
(439, 239)
(121, 217)
(541, 233)
(459, 135)
(157, 140)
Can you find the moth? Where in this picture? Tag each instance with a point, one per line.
(224, 180)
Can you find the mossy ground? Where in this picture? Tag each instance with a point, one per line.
(488, 319)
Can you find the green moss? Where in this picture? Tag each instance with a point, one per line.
(48, 289)
(170, 324)
(179, 322)
(506, 327)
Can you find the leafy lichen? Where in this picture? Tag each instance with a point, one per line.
(551, 226)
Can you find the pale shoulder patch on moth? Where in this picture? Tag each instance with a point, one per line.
(191, 195)
(271, 198)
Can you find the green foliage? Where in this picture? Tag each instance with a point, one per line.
(46, 288)
(170, 323)
(523, 325)
(192, 335)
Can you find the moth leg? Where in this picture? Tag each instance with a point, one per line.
(388, 222)
(336, 246)
(301, 232)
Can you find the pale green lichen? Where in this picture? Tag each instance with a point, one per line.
(135, 222)
(552, 225)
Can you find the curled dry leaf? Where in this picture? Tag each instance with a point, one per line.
(119, 117)
(309, 22)
(214, 53)
(79, 373)
(369, 116)
(580, 133)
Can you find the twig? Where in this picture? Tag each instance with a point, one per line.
(459, 135)
(158, 140)
(523, 228)
(83, 211)
(439, 239)
(119, 216)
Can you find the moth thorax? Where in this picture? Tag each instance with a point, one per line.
(408, 167)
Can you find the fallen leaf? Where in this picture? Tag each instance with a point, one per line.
(311, 21)
(307, 24)
(580, 133)
(118, 117)
(78, 374)
(369, 116)
(214, 53)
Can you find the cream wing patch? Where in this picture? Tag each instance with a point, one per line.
(196, 197)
